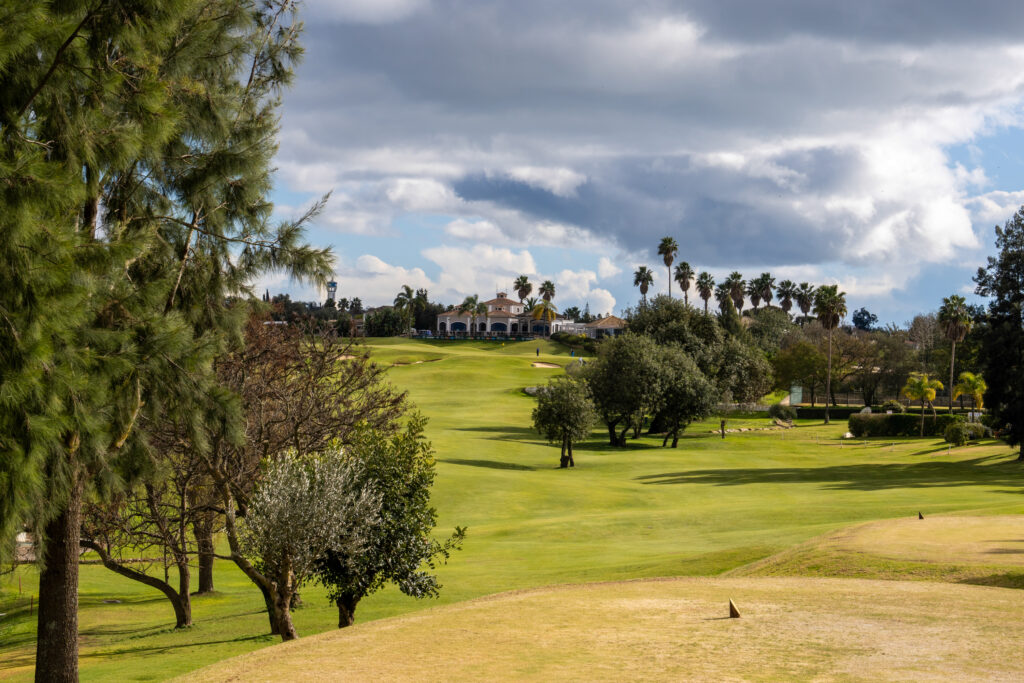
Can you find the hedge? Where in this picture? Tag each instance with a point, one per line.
(900, 424)
(835, 412)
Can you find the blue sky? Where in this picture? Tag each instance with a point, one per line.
(866, 144)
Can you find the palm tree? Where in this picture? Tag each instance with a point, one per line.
(404, 303)
(767, 284)
(684, 275)
(920, 388)
(643, 278)
(955, 321)
(481, 309)
(668, 250)
(547, 290)
(470, 305)
(722, 295)
(523, 287)
(786, 291)
(830, 307)
(706, 288)
(805, 298)
(971, 385)
(530, 303)
(737, 289)
(544, 310)
(754, 292)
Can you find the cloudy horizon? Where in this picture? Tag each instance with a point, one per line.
(466, 143)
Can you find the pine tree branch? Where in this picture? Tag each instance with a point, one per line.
(56, 61)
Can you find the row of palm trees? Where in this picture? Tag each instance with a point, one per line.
(827, 302)
(734, 288)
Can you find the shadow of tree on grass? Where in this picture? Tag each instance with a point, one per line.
(493, 464)
(862, 477)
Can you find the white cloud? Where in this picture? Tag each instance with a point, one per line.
(559, 181)
(605, 268)
(601, 302)
(421, 194)
(475, 231)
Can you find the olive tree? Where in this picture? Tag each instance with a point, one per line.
(305, 507)
(564, 414)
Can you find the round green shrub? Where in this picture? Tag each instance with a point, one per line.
(957, 433)
(976, 430)
(781, 412)
(894, 406)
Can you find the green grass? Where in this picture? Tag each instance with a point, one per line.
(708, 507)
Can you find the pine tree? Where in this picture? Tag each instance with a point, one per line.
(134, 165)
(1002, 337)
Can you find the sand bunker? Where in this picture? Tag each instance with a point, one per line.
(539, 364)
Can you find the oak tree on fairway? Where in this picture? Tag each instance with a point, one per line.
(687, 395)
(564, 415)
(625, 383)
(1002, 343)
(399, 548)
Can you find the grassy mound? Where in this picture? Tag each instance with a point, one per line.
(983, 550)
(673, 630)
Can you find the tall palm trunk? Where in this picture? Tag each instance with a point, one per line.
(828, 377)
(670, 281)
(952, 361)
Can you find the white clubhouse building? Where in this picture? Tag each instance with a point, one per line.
(509, 317)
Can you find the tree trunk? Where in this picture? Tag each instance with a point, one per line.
(203, 531)
(572, 463)
(828, 378)
(952, 361)
(57, 636)
(283, 604)
(268, 600)
(179, 599)
(231, 531)
(346, 610)
(922, 417)
(563, 461)
(613, 435)
(622, 436)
